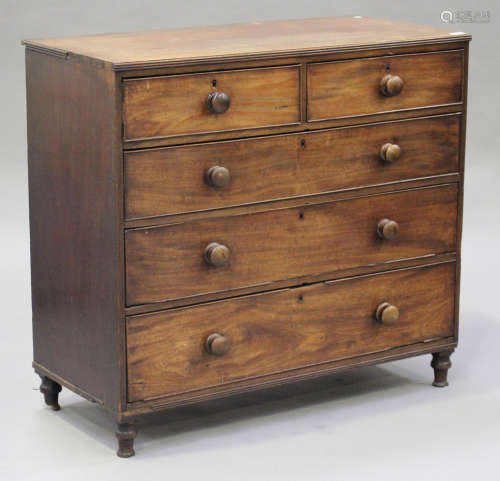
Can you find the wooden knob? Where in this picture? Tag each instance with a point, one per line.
(216, 254)
(391, 85)
(218, 102)
(390, 152)
(387, 313)
(217, 176)
(217, 344)
(387, 229)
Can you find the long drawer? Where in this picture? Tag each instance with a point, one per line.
(359, 87)
(222, 174)
(230, 252)
(217, 343)
(177, 104)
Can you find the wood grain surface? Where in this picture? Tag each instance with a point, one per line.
(262, 39)
(172, 180)
(76, 194)
(352, 87)
(284, 330)
(168, 262)
(176, 104)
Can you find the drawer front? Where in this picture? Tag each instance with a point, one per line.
(177, 179)
(353, 87)
(171, 262)
(274, 332)
(177, 104)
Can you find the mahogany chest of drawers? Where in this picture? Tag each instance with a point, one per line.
(224, 209)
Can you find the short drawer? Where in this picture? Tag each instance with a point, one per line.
(370, 86)
(213, 344)
(178, 104)
(222, 174)
(225, 253)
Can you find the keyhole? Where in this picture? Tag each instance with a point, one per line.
(303, 143)
(214, 83)
(301, 215)
(388, 67)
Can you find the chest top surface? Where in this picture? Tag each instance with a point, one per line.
(241, 41)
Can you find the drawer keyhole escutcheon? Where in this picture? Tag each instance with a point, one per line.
(390, 152)
(216, 254)
(391, 85)
(387, 313)
(387, 229)
(217, 344)
(217, 177)
(218, 102)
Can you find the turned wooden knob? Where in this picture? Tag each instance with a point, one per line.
(387, 229)
(387, 313)
(390, 152)
(218, 102)
(391, 85)
(217, 344)
(216, 254)
(217, 176)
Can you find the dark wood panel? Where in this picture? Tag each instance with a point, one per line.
(342, 194)
(173, 105)
(159, 142)
(309, 279)
(463, 137)
(168, 262)
(172, 180)
(279, 379)
(285, 330)
(352, 87)
(75, 181)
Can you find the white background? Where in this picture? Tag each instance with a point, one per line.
(383, 422)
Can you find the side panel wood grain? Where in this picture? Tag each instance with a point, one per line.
(171, 180)
(352, 87)
(285, 330)
(174, 105)
(167, 262)
(75, 181)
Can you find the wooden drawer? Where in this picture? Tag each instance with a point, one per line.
(284, 330)
(176, 104)
(173, 180)
(352, 87)
(168, 262)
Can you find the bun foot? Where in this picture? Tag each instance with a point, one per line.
(50, 390)
(441, 363)
(125, 433)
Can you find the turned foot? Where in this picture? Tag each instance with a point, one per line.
(441, 363)
(125, 433)
(50, 390)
